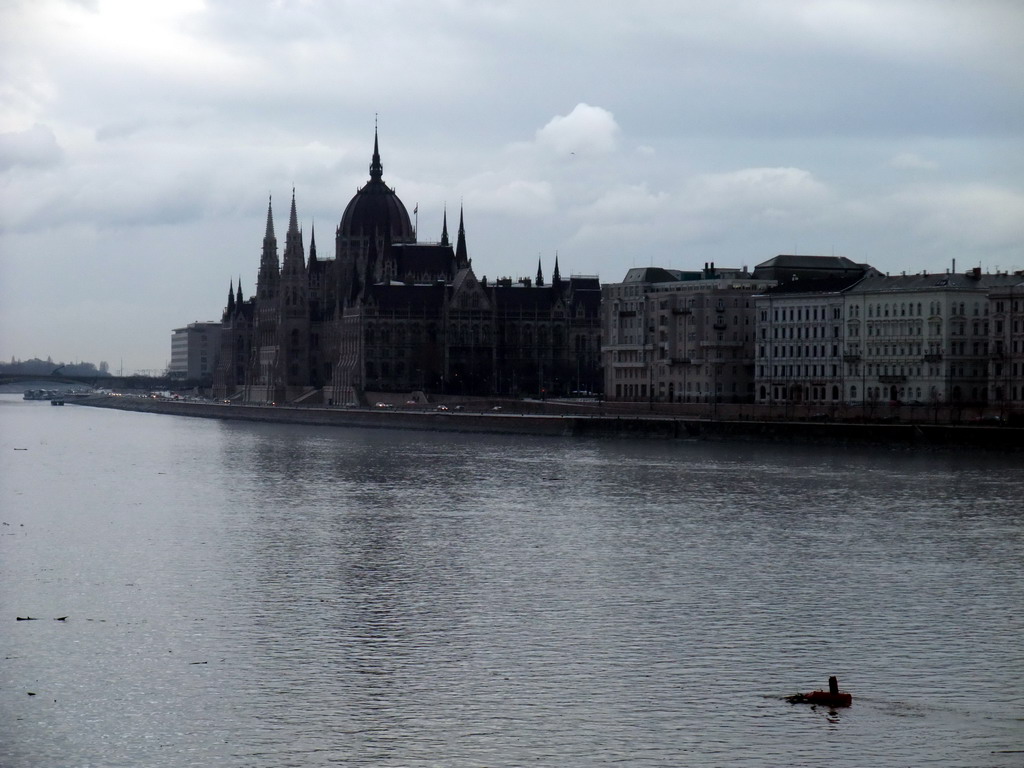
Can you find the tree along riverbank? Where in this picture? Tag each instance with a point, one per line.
(591, 424)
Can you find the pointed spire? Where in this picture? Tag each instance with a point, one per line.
(376, 169)
(266, 281)
(270, 220)
(540, 274)
(293, 219)
(239, 300)
(556, 278)
(461, 257)
(294, 253)
(444, 228)
(231, 300)
(312, 243)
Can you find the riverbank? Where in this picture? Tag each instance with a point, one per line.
(643, 426)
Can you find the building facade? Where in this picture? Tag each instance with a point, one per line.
(1006, 347)
(801, 341)
(390, 313)
(195, 351)
(917, 339)
(680, 337)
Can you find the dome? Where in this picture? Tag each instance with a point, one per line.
(376, 208)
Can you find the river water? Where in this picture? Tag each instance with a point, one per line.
(267, 595)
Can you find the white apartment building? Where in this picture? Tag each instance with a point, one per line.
(800, 350)
(910, 339)
(925, 338)
(1006, 346)
(194, 351)
(683, 337)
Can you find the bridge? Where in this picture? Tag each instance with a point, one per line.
(96, 381)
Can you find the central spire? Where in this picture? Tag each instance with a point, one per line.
(376, 169)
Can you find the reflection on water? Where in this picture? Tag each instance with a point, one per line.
(274, 596)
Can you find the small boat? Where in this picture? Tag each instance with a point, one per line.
(833, 697)
(56, 402)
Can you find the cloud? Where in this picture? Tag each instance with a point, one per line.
(120, 129)
(626, 218)
(625, 202)
(585, 130)
(908, 161)
(736, 130)
(37, 148)
(528, 183)
(972, 216)
(769, 193)
(515, 197)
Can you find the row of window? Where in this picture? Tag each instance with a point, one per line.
(801, 314)
(802, 332)
(814, 371)
(798, 350)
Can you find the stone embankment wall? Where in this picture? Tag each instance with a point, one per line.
(999, 438)
(376, 418)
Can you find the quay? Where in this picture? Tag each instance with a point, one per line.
(593, 424)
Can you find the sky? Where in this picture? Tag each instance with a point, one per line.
(140, 142)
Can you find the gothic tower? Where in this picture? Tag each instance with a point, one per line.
(293, 308)
(264, 361)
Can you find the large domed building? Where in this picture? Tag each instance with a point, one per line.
(392, 314)
(376, 207)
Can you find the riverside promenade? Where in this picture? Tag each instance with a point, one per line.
(580, 422)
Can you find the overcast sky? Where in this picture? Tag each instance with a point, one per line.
(140, 140)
